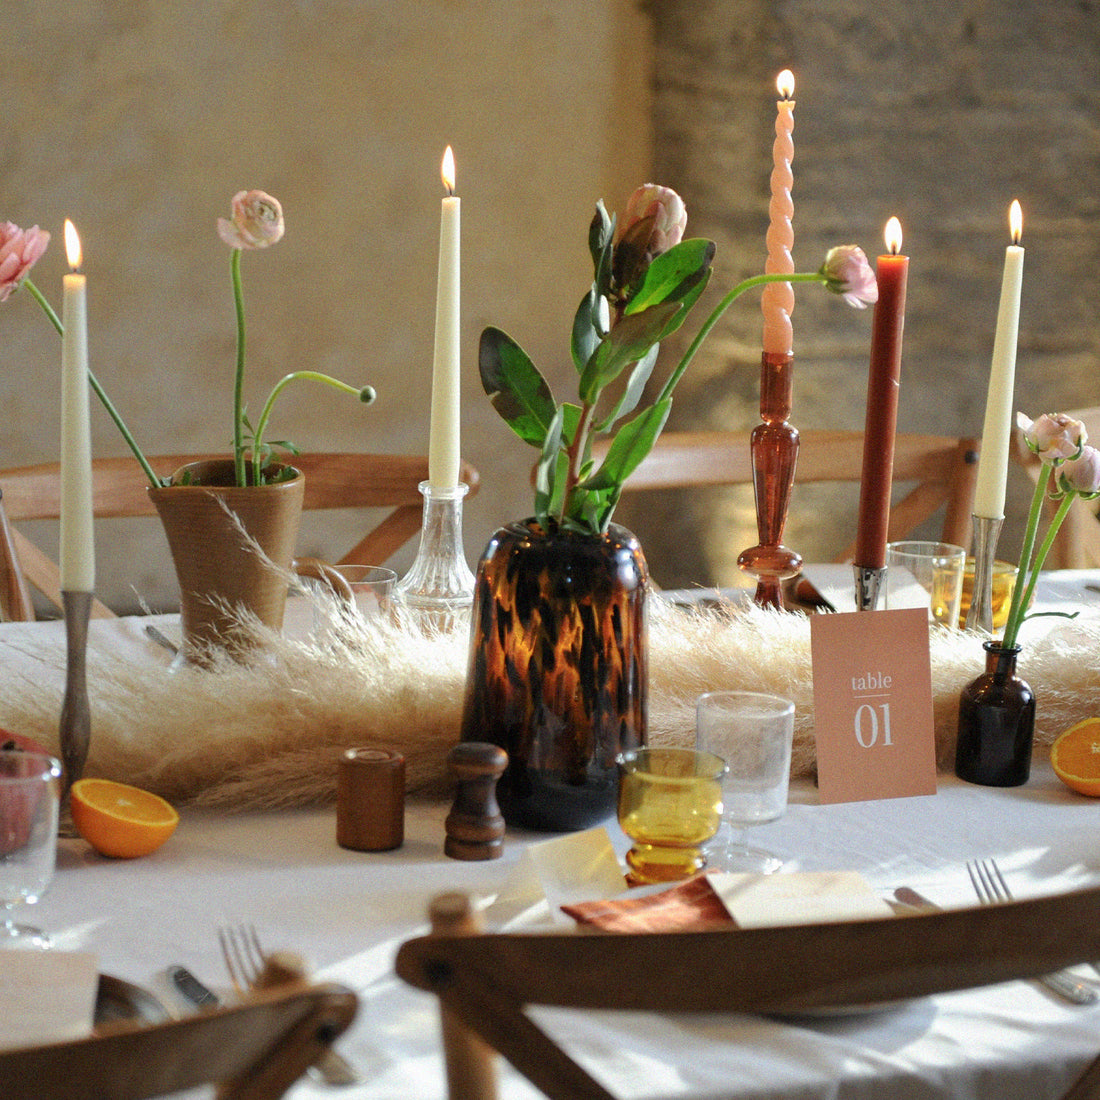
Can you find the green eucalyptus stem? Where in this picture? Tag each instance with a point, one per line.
(723, 305)
(364, 393)
(1033, 576)
(100, 392)
(576, 450)
(238, 384)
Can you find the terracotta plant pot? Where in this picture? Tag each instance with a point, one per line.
(218, 568)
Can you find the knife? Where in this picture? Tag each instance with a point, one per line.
(1061, 982)
(331, 1067)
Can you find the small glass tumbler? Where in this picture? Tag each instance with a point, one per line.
(1004, 582)
(754, 733)
(670, 805)
(346, 594)
(30, 785)
(926, 574)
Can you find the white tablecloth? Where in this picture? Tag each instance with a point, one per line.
(349, 911)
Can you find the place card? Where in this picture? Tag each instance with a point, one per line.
(802, 897)
(873, 718)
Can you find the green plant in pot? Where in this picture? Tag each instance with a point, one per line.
(215, 514)
(558, 660)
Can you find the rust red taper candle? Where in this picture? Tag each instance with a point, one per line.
(883, 385)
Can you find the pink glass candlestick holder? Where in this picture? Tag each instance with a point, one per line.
(774, 445)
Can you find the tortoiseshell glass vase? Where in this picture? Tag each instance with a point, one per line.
(558, 669)
(996, 723)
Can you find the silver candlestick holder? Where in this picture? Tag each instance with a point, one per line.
(868, 586)
(439, 586)
(75, 726)
(979, 619)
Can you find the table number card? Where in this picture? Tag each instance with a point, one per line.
(873, 719)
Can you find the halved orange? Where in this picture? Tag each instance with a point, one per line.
(1075, 757)
(121, 821)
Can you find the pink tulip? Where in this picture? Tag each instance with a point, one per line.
(257, 221)
(665, 207)
(20, 250)
(848, 273)
(1054, 437)
(1082, 474)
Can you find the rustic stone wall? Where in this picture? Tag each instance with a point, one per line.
(938, 112)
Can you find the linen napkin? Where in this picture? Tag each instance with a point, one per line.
(46, 996)
(688, 905)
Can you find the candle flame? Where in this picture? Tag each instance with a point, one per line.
(72, 245)
(785, 83)
(1016, 221)
(893, 236)
(448, 170)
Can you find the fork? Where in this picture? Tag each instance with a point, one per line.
(991, 888)
(251, 968)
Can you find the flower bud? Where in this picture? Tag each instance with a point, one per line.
(1054, 437)
(20, 250)
(1081, 474)
(848, 273)
(257, 221)
(667, 210)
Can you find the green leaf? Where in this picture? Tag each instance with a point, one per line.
(516, 389)
(673, 274)
(600, 233)
(626, 343)
(571, 418)
(687, 301)
(635, 388)
(631, 444)
(547, 465)
(585, 333)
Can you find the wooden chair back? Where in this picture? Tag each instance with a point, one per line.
(486, 981)
(253, 1051)
(943, 469)
(333, 480)
(1077, 544)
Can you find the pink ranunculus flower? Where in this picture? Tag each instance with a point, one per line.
(257, 221)
(20, 250)
(1054, 437)
(668, 211)
(848, 274)
(1081, 474)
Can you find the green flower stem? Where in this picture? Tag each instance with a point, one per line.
(238, 385)
(723, 305)
(576, 450)
(1015, 618)
(99, 390)
(265, 414)
(1040, 558)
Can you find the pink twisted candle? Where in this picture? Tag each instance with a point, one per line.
(777, 299)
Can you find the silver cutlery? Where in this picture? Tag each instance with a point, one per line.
(191, 988)
(161, 639)
(991, 888)
(251, 968)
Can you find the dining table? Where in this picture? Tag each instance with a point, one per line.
(347, 912)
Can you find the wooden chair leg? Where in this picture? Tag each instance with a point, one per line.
(1087, 1086)
(15, 595)
(471, 1063)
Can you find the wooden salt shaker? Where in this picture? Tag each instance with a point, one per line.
(370, 800)
(475, 827)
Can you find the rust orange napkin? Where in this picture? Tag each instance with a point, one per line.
(685, 906)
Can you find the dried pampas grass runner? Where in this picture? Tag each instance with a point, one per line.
(267, 733)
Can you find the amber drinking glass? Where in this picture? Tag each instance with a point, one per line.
(670, 805)
(1004, 582)
(926, 574)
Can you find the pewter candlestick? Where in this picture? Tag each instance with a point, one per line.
(75, 728)
(979, 619)
(868, 585)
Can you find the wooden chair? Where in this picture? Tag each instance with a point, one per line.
(943, 468)
(1077, 544)
(335, 480)
(254, 1051)
(486, 981)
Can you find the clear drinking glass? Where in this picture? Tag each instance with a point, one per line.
(30, 784)
(345, 594)
(753, 733)
(926, 574)
(670, 804)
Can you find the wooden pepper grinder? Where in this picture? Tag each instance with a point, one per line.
(475, 827)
